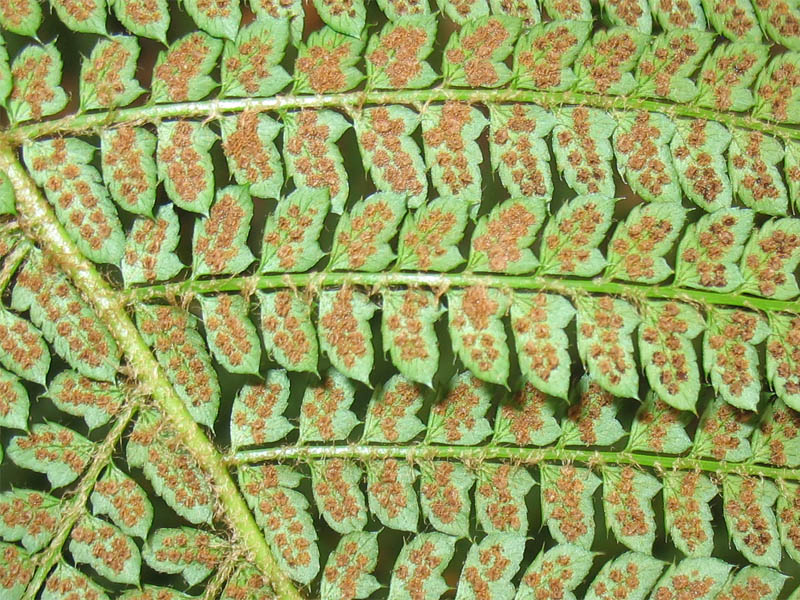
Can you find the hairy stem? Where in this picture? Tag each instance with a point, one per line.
(210, 108)
(40, 224)
(527, 456)
(447, 280)
(77, 505)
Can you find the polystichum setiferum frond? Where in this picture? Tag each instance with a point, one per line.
(483, 300)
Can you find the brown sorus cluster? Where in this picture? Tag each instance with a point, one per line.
(342, 328)
(28, 513)
(639, 240)
(180, 548)
(345, 573)
(550, 580)
(778, 91)
(245, 148)
(728, 341)
(179, 356)
(14, 571)
(789, 516)
(524, 413)
(752, 589)
(478, 309)
(624, 582)
(214, 9)
(105, 71)
(64, 307)
(710, 250)
(501, 241)
(251, 65)
(127, 169)
(406, 7)
(627, 505)
(14, 12)
(475, 54)
(423, 562)
(658, 418)
(728, 71)
(142, 12)
(261, 401)
(325, 401)
(382, 139)
(685, 587)
(724, 428)
(335, 493)
(285, 327)
(667, 62)
(630, 11)
(309, 147)
(444, 498)
(520, 9)
(493, 563)
(681, 15)
(80, 10)
(665, 331)
(425, 241)
(781, 16)
(125, 496)
(255, 587)
(749, 518)
(289, 233)
(568, 9)
(769, 269)
(784, 425)
(685, 510)
(218, 246)
(149, 235)
(387, 488)
(54, 447)
(229, 333)
(183, 162)
(181, 65)
(72, 588)
(275, 8)
(502, 506)
(106, 544)
(341, 8)
(570, 244)
(603, 66)
(586, 411)
(322, 67)
(786, 354)
(447, 138)
(699, 171)
(734, 19)
(69, 184)
(21, 345)
(542, 62)
(640, 145)
(397, 53)
(287, 529)
(82, 391)
(172, 462)
(393, 406)
(605, 349)
(583, 155)
(565, 496)
(756, 179)
(456, 408)
(542, 354)
(406, 328)
(32, 72)
(361, 241)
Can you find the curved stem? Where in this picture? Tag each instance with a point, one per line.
(211, 108)
(527, 456)
(40, 224)
(447, 280)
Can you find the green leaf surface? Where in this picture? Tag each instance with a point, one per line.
(230, 334)
(289, 335)
(49, 448)
(418, 569)
(108, 74)
(344, 332)
(257, 413)
(119, 496)
(190, 552)
(102, 546)
(97, 402)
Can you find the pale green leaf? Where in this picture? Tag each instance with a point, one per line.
(230, 334)
(430, 235)
(500, 498)
(248, 143)
(489, 567)
(501, 240)
(592, 417)
(697, 155)
(184, 164)
(345, 16)
(665, 67)
(603, 66)
(292, 230)
(753, 160)
(146, 18)
(337, 494)
(629, 576)
(66, 581)
(392, 498)
(181, 72)
(545, 45)
(111, 553)
(729, 71)
(37, 93)
(392, 412)
(583, 151)
(568, 503)
(345, 335)
(192, 553)
(419, 567)
(326, 61)
(474, 55)
(22, 348)
(444, 496)
(658, 427)
(687, 514)
(97, 402)
(325, 412)
(347, 572)
(555, 573)
(289, 335)
(770, 259)
(150, 248)
(527, 418)
(29, 516)
(129, 168)
(219, 18)
(251, 63)
(705, 575)
(87, 17)
(395, 57)
(219, 243)
(257, 413)
(777, 439)
(49, 448)
(108, 74)
(119, 496)
(16, 571)
(459, 417)
(723, 432)
(783, 358)
(23, 17)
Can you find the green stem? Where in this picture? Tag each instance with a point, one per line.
(80, 123)
(77, 505)
(12, 262)
(528, 456)
(447, 280)
(40, 224)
